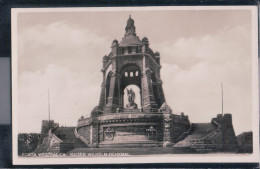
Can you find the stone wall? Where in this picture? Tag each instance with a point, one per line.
(47, 125)
(85, 133)
(228, 138)
(180, 125)
(245, 142)
(228, 134)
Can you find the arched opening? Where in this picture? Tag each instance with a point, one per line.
(109, 69)
(126, 74)
(137, 96)
(136, 73)
(131, 81)
(131, 74)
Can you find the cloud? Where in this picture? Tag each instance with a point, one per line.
(227, 45)
(66, 59)
(194, 68)
(71, 96)
(60, 43)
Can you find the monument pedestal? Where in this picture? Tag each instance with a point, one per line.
(123, 130)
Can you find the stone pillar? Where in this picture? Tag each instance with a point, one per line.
(228, 134)
(160, 92)
(94, 134)
(101, 134)
(167, 128)
(114, 47)
(148, 101)
(120, 94)
(102, 100)
(113, 100)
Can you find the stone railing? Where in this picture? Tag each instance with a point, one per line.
(207, 142)
(201, 144)
(84, 122)
(184, 134)
(129, 116)
(131, 111)
(80, 137)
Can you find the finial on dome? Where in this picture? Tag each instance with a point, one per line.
(114, 43)
(145, 40)
(130, 27)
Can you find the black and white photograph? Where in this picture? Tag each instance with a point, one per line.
(135, 85)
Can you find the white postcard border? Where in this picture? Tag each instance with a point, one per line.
(173, 158)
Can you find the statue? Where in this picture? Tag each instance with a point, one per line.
(131, 99)
(131, 95)
(151, 132)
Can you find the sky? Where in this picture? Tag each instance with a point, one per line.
(200, 49)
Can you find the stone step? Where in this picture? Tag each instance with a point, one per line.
(127, 141)
(204, 150)
(131, 144)
(203, 146)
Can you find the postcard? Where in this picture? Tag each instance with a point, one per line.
(135, 85)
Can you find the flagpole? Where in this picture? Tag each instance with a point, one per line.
(222, 103)
(49, 108)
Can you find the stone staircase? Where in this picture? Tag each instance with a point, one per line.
(200, 138)
(205, 144)
(184, 135)
(202, 145)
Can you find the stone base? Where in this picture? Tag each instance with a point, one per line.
(131, 129)
(167, 144)
(131, 106)
(127, 129)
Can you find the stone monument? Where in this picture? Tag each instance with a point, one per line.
(133, 112)
(115, 124)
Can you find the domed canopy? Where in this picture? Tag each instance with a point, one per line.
(130, 38)
(130, 41)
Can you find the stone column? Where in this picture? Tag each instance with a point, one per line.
(102, 100)
(94, 134)
(120, 93)
(167, 135)
(113, 100)
(148, 101)
(160, 91)
(101, 134)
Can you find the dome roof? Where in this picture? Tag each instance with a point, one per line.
(130, 41)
